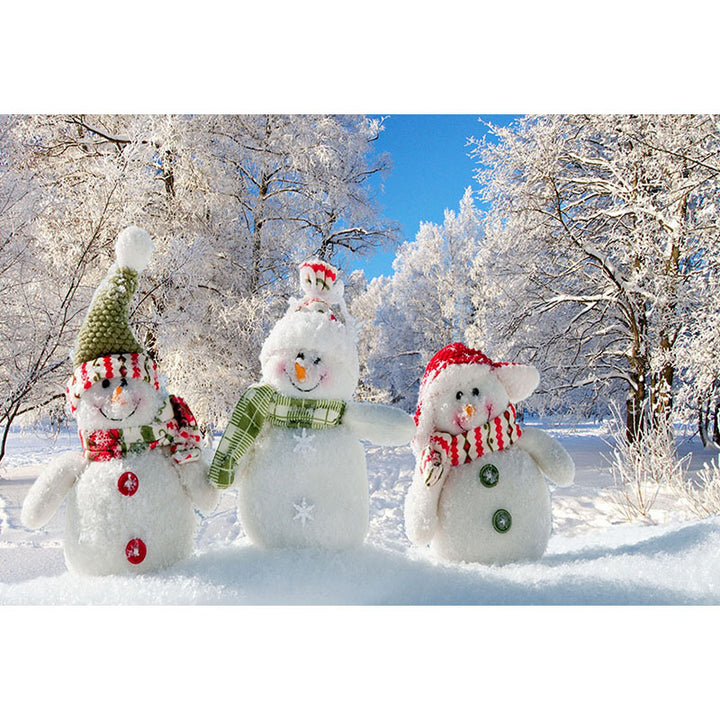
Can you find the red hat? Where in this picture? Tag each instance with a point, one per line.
(518, 379)
(453, 354)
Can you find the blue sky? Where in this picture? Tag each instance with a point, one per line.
(430, 171)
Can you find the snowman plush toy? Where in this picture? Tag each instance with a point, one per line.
(479, 491)
(132, 491)
(292, 445)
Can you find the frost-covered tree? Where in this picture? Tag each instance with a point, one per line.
(294, 182)
(21, 290)
(699, 362)
(233, 204)
(424, 305)
(277, 189)
(55, 224)
(600, 237)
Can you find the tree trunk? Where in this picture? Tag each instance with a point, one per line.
(637, 392)
(662, 382)
(703, 413)
(259, 210)
(661, 390)
(168, 173)
(9, 417)
(259, 220)
(635, 412)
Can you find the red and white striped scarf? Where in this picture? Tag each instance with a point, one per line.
(174, 427)
(445, 449)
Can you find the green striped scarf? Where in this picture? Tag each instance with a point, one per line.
(262, 403)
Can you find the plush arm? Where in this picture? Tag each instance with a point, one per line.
(49, 490)
(379, 424)
(421, 510)
(550, 456)
(194, 477)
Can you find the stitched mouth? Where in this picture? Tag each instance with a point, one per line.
(301, 389)
(125, 417)
(467, 423)
(297, 387)
(460, 422)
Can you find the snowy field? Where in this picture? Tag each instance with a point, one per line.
(594, 557)
(494, 655)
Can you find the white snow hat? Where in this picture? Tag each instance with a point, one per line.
(318, 321)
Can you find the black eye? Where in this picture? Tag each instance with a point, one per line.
(106, 383)
(475, 392)
(300, 356)
(123, 382)
(459, 395)
(316, 361)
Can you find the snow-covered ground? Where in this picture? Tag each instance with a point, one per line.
(256, 655)
(594, 557)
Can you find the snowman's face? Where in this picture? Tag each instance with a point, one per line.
(469, 398)
(301, 374)
(118, 403)
(307, 373)
(308, 355)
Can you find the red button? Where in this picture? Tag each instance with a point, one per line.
(135, 551)
(128, 483)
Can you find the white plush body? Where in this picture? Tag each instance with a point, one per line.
(455, 516)
(305, 489)
(461, 526)
(100, 520)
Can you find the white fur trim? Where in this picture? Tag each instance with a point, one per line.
(134, 248)
(312, 330)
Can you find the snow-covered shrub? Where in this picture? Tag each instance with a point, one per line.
(641, 469)
(702, 495)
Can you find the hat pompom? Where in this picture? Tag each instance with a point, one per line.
(134, 248)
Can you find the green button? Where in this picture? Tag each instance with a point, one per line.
(489, 475)
(502, 521)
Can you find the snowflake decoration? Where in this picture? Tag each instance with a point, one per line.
(303, 512)
(304, 443)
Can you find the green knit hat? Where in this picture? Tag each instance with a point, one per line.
(106, 329)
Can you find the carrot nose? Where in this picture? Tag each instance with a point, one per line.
(470, 410)
(300, 372)
(116, 394)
